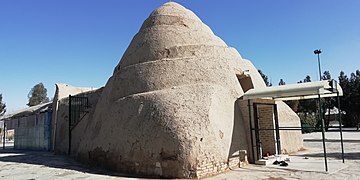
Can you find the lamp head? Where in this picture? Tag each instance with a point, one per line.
(317, 51)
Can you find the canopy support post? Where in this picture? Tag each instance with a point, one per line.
(323, 134)
(341, 133)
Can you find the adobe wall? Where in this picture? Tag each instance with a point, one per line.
(62, 91)
(62, 128)
(61, 142)
(77, 132)
(241, 138)
(291, 141)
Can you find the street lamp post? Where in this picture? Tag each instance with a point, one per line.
(318, 52)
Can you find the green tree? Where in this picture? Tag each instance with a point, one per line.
(293, 104)
(2, 106)
(350, 101)
(354, 98)
(282, 82)
(309, 105)
(307, 79)
(265, 78)
(345, 85)
(37, 95)
(344, 100)
(327, 103)
(307, 108)
(326, 75)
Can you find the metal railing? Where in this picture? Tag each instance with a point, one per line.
(78, 108)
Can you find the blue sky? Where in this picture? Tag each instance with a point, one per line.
(80, 42)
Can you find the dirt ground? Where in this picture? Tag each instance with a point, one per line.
(45, 165)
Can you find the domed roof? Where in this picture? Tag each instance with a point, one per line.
(174, 9)
(171, 105)
(169, 26)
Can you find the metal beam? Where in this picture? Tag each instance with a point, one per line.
(341, 134)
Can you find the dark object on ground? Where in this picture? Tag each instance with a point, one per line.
(283, 163)
(276, 162)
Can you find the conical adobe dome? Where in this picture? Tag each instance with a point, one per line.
(169, 27)
(168, 109)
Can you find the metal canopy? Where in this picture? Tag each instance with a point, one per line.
(309, 90)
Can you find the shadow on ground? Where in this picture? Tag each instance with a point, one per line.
(348, 156)
(49, 159)
(332, 140)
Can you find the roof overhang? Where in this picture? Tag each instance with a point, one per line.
(309, 90)
(27, 111)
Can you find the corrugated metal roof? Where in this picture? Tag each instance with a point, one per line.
(28, 111)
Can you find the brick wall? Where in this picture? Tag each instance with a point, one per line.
(266, 121)
(208, 166)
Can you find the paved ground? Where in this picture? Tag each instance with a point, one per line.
(313, 167)
(45, 165)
